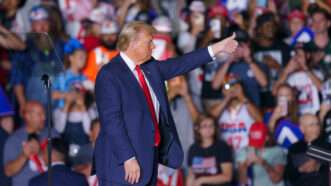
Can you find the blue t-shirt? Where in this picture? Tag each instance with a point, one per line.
(250, 85)
(66, 82)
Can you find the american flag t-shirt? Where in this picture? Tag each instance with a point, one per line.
(204, 165)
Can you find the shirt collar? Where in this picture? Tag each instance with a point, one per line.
(131, 64)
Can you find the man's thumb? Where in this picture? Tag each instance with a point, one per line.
(233, 36)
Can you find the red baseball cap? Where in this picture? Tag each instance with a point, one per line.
(218, 10)
(296, 14)
(257, 135)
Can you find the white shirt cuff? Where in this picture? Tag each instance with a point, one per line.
(133, 158)
(211, 52)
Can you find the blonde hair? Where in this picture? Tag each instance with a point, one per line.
(130, 32)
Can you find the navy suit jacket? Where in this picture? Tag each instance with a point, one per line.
(61, 176)
(126, 125)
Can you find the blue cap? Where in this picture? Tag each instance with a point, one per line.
(71, 46)
(38, 13)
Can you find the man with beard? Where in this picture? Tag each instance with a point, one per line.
(103, 53)
(40, 57)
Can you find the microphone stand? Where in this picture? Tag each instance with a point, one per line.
(48, 85)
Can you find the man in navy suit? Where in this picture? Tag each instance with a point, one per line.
(61, 174)
(137, 129)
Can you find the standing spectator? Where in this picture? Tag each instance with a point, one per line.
(302, 170)
(6, 128)
(235, 114)
(75, 11)
(61, 174)
(185, 115)
(188, 40)
(217, 28)
(8, 12)
(139, 10)
(164, 45)
(41, 57)
(320, 25)
(264, 157)
(183, 110)
(269, 50)
(306, 80)
(103, 53)
(21, 153)
(283, 121)
(71, 79)
(73, 120)
(210, 159)
(298, 31)
(242, 65)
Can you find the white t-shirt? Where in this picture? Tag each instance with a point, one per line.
(308, 98)
(234, 127)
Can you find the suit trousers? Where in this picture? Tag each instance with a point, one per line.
(152, 181)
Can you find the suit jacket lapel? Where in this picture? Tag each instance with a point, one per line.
(129, 77)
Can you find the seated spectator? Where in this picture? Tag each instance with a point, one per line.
(263, 156)
(302, 170)
(104, 52)
(71, 79)
(300, 74)
(251, 74)
(21, 153)
(283, 121)
(235, 114)
(61, 174)
(209, 159)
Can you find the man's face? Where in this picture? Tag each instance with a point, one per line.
(34, 117)
(268, 29)
(310, 127)
(40, 26)
(143, 46)
(109, 40)
(319, 23)
(296, 25)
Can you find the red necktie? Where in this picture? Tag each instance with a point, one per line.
(144, 86)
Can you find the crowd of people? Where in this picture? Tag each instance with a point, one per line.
(246, 118)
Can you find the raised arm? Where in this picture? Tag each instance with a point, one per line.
(176, 66)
